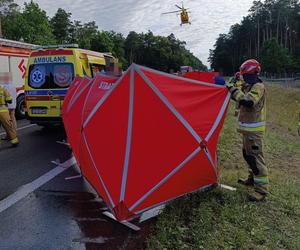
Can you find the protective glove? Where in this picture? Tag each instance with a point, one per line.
(232, 80)
(230, 85)
(236, 113)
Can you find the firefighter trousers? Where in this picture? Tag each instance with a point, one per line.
(253, 155)
(9, 127)
(13, 118)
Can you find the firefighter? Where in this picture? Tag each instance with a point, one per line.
(252, 125)
(5, 119)
(6, 82)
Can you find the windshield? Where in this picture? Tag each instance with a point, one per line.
(51, 76)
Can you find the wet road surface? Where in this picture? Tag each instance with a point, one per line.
(61, 214)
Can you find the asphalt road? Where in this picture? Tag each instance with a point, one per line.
(59, 214)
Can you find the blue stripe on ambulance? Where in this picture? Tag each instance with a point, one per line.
(47, 92)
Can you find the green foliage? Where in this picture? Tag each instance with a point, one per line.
(32, 25)
(270, 25)
(61, 26)
(5, 7)
(275, 58)
(163, 53)
(36, 27)
(101, 42)
(83, 33)
(11, 24)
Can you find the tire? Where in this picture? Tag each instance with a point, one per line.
(20, 107)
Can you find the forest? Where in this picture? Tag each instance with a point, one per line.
(31, 24)
(270, 33)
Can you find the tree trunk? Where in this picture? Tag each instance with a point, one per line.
(277, 34)
(250, 50)
(290, 41)
(286, 33)
(1, 35)
(281, 37)
(258, 38)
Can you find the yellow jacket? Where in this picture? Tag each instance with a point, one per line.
(5, 98)
(252, 103)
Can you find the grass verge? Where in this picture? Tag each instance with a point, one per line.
(226, 220)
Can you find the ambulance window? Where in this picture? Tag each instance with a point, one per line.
(97, 68)
(109, 64)
(51, 75)
(37, 76)
(63, 75)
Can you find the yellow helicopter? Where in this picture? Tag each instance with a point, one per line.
(184, 14)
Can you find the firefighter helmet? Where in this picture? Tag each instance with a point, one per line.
(250, 67)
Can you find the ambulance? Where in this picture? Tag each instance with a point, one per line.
(13, 59)
(51, 70)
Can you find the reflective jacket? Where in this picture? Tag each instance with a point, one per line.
(252, 103)
(5, 98)
(239, 84)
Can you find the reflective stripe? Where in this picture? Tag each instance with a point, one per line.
(252, 125)
(257, 129)
(112, 204)
(219, 118)
(129, 136)
(172, 173)
(14, 141)
(60, 92)
(261, 180)
(3, 110)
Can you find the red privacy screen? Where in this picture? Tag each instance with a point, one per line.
(145, 138)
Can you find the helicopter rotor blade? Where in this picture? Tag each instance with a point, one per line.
(178, 6)
(176, 11)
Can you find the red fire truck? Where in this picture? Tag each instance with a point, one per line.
(13, 58)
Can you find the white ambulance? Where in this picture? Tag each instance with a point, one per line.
(13, 58)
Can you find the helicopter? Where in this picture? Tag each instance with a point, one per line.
(184, 14)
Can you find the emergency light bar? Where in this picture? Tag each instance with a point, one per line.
(59, 46)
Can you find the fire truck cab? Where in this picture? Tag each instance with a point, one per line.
(13, 58)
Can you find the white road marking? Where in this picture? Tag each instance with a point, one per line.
(27, 126)
(32, 186)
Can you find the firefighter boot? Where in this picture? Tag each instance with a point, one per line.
(246, 182)
(255, 196)
(14, 142)
(249, 182)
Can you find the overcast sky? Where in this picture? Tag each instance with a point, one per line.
(209, 17)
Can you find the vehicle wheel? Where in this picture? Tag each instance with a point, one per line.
(20, 108)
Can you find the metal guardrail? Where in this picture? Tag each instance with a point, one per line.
(284, 82)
